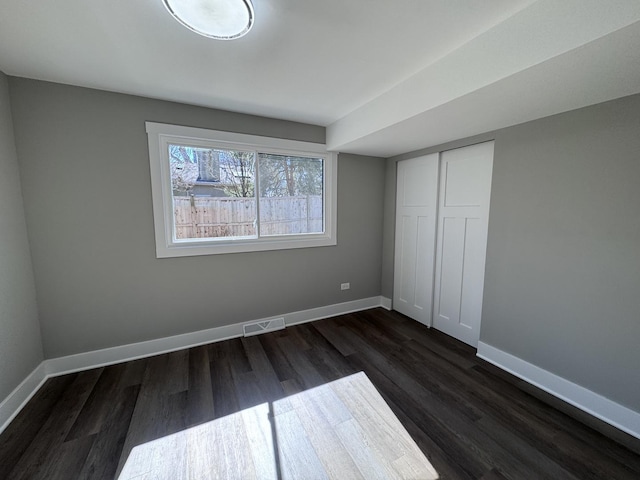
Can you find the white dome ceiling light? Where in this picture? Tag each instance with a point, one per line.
(220, 19)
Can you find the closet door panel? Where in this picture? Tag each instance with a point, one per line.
(465, 189)
(451, 261)
(416, 210)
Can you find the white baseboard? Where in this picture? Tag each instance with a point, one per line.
(17, 399)
(334, 310)
(593, 403)
(385, 303)
(10, 407)
(133, 351)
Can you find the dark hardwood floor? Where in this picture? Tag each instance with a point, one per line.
(470, 419)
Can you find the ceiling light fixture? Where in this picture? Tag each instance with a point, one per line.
(220, 19)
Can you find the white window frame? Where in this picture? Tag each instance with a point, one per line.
(161, 134)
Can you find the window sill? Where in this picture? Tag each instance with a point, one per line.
(213, 247)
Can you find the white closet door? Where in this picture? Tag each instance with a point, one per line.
(416, 210)
(463, 218)
(465, 190)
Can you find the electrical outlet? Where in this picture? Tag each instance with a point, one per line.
(345, 286)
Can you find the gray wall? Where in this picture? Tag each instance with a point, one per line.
(389, 237)
(562, 281)
(85, 172)
(20, 343)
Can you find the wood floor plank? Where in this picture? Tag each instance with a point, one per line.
(291, 387)
(95, 410)
(442, 437)
(298, 458)
(174, 412)
(248, 391)
(333, 336)
(70, 457)
(377, 422)
(22, 431)
(263, 446)
(200, 391)
(164, 377)
(548, 429)
(443, 462)
(319, 424)
(39, 456)
(231, 451)
(307, 374)
(325, 355)
(430, 341)
(264, 372)
(493, 454)
(102, 460)
(493, 475)
(280, 363)
(586, 461)
(443, 383)
(133, 373)
(368, 461)
(225, 401)
(520, 448)
(501, 453)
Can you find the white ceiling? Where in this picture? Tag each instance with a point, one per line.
(385, 76)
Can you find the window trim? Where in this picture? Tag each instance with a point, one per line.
(160, 134)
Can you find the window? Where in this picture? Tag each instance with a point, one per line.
(221, 192)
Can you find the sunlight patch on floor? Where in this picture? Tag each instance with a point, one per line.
(342, 429)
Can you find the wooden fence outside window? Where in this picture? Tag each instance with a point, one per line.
(210, 217)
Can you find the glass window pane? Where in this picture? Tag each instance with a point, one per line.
(291, 193)
(213, 192)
